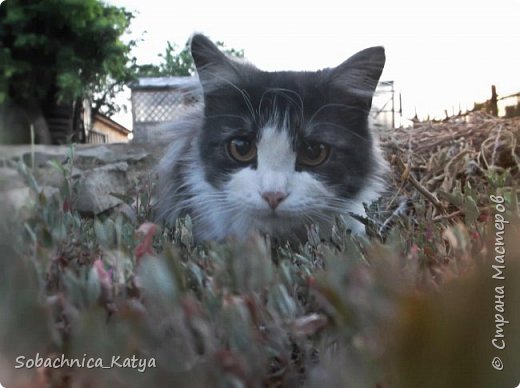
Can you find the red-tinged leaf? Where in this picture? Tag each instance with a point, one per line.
(309, 324)
(132, 309)
(413, 253)
(66, 206)
(100, 271)
(253, 308)
(311, 281)
(191, 307)
(484, 216)
(103, 275)
(231, 363)
(145, 232)
(38, 380)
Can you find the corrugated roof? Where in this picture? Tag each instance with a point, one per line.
(165, 83)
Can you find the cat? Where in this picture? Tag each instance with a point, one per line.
(273, 152)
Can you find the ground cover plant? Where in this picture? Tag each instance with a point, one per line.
(426, 301)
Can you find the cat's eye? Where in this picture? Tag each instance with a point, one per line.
(313, 155)
(242, 150)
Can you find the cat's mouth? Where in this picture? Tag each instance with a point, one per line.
(282, 224)
(276, 214)
(277, 219)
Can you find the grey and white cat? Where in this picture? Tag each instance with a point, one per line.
(273, 151)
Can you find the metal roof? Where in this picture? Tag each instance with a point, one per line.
(165, 83)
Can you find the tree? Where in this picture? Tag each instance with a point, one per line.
(179, 63)
(62, 51)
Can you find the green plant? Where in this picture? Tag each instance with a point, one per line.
(413, 306)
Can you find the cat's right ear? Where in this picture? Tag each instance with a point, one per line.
(361, 72)
(212, 65)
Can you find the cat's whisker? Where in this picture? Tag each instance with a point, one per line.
(286, 94)
(243, 93)
(336, 105)
(221, 187)
(227, 116)
(314, 216)
(342, 127)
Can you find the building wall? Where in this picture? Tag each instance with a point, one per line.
(159, 101)
(509, 106)
(101, 130)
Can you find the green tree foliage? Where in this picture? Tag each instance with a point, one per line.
(175, 62)
(62, 50)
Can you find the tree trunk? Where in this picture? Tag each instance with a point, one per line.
(78, 128)
(39, 123)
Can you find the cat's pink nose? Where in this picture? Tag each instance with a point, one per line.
(274, 198)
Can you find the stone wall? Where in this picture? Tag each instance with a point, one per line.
(98, 170)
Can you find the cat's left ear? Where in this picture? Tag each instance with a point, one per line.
(360, 74)
(211, 63)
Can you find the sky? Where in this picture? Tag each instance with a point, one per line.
(441, 54)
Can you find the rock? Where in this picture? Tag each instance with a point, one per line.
(111, 153)
(85, 155)
(37, 154)
(128, 211)
(16, 194)
(96, 186)
(50, 176)
(98, 169)
(17, 198)
(40, 159)
(9, 176)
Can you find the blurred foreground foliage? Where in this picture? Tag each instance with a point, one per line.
(414, 306)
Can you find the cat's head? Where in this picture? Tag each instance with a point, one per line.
(287, 148)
